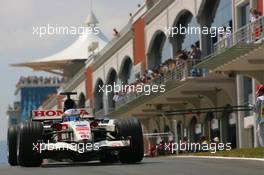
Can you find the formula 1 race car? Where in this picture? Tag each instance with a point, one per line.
(73, 134)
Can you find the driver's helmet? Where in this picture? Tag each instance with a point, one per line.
(71, 115)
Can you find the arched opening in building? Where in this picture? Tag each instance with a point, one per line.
(207, 126)
(228, 120)
(98, 95)
(217, 13)
(193, 137)
(125, 74)
(166, 52)
(81, 101)
(184, 34)
(179, 131)
(166, 130)
(159, 49)
(111, 80)
(215, 129)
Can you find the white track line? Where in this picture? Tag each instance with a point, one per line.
(218, 157)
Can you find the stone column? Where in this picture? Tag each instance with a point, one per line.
(206, 43)
(240, 116)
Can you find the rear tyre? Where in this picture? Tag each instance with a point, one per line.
(131, 128)
(29, 133)
(12, 145)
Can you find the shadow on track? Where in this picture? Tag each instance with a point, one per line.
(92, 163)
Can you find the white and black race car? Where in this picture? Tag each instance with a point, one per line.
(73, 134)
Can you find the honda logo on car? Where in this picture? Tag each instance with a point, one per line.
(53, 113)
(82, 128)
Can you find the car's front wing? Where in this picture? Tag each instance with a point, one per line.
(83, 147)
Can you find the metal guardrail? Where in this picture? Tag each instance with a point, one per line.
(111, 43)
(71, 84)
(249, 33)
(178, 74)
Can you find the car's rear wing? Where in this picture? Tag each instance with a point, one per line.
(56, 114)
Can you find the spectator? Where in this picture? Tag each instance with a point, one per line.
(162, 70)
(182, 55)
(195, 54)
(253, 15)
(165, 68)
(149, 74)
(255, 30)
(227, 37)
(116, 97)
(221, 40)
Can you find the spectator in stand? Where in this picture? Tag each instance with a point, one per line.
(227, 37)
(116, 97)
(182, 55)
(165, 68)
(255, 30)
(173, 64)
(149, 74)
(221, 40)
(54, 80)
(195, 57)
(143, 79)
(170, 65)
(161, 70)
(195, 54)
(41, 80)
(253, 15)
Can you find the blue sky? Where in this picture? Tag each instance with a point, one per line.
(18, 43)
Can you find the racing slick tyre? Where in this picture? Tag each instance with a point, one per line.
(131, 128)
(12, 145)
(29, 133)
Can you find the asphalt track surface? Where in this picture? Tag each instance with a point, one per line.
(154, 166)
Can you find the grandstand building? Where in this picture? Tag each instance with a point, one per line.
(207, 97)
(31, 92)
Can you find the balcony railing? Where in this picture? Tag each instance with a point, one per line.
(115, 40)
(180, 73)
(249, 33)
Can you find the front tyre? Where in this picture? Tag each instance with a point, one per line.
(12, 145)
(131, 128)
(29, 133)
